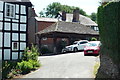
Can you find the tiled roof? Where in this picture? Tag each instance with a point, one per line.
(83, 20)
(68, 27)
(46, 19)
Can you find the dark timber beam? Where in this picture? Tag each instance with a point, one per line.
(39, 37)
(54, 44)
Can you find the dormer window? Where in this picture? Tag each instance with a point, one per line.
(9, 10)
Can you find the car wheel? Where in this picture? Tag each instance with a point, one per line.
(75, 49)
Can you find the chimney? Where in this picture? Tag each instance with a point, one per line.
(33, 12)
(75, 15)
(63, 16)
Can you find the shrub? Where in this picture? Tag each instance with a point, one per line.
(108, 23)
(35, 63)
(30, 53)
(7, 68)
(44, 50)
(109, 26)
(29, 62)
(25, 66)
(60, 45)
(93, 39)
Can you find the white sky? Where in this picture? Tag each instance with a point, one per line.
(88, 6)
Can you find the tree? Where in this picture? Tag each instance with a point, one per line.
(93, 16)
(53, 9)
(42, 14)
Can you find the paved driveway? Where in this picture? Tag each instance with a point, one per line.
(70, 65)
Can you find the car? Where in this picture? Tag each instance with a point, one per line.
(92, 48)
(76, 46)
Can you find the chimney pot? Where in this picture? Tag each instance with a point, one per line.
(63, 16)
(76, 15)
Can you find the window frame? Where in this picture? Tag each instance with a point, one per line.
(11, 11)
(44, 38)
(15, 47)
(84, 42)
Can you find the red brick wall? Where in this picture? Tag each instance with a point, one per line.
(48, 41)
(42, 25)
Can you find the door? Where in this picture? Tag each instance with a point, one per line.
(82, 45)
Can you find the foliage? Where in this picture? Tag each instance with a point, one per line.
(45, 50)
(93, 16)
(61, 44)
(96, 67)
(42, 14)
(93, 39)
(29, 62)
(25, 66)
(30, 53)
(53, 9)
(7, 68)
(108, 22)
(34, 63)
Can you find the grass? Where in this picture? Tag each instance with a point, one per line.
(96, 67)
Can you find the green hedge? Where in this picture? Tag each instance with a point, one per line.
(109, 26)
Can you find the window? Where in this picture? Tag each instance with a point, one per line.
(1, 16)
(14, 26)
(97, 29)
(22, 37)
(1, 25)
(22, 27)
(7, 26)
(17, 8)
(15, 45)
(1, 37)
(6, 54)
(14, 55)
(1, 6)
(23, 19)
(44, 38)
(15, 36)
(7, 39)
(10, 10)
(22, 45)
(83, 42)
(0, 54)
(23, 9)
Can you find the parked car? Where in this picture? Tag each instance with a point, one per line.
(76, 46)
(93, 47)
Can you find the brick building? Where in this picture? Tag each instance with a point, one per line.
(45, 25)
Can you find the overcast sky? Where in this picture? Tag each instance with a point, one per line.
(88, 6)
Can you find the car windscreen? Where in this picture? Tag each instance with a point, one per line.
(92, 44)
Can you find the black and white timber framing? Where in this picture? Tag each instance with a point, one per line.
(13, 29)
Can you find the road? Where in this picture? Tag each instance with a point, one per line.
(70, 65)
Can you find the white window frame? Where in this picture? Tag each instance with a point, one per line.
(11, 11)
(44, 38)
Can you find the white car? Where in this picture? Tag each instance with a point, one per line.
(77, 45)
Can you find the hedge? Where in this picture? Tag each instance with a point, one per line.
(109, 26)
